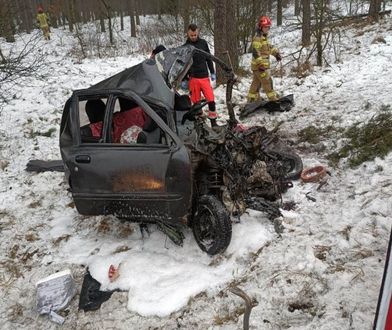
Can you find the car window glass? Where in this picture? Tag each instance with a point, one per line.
(131, 125)
(91, 116)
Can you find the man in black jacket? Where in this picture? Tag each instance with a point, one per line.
(198, 74)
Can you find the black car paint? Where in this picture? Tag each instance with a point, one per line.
(102, 176)
(141, 182)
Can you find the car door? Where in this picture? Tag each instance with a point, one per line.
(146, 181)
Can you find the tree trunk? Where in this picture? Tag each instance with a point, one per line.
(53, 14)
(297, 7)
(374, 9)
(121, 20)
(159, 10)
(219, 33)
(306, 22)
(110, 28)
(279, 13)
(232, 42)
(71, 14)
(137, 12)
(108, 14)
(132, 17)
(269, 6)
(102, 17)
(186, 9)
(320, 10)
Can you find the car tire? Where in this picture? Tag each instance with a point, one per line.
(211, 225)
(292, 162)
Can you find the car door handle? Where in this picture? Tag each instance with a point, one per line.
(83, 159)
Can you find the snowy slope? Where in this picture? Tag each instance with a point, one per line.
(324, 272)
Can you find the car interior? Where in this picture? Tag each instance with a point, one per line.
(130, 124)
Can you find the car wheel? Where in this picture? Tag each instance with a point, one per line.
(292, 164)
(211, 225)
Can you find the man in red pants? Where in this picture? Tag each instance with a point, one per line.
(198, 74)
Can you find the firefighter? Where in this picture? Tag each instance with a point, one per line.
(43, 22)
(261, 51)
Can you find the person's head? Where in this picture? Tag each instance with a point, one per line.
(193, 32)
(95, 110)
(264, 24)
(40, 9)
(157, 50)
(126, 104)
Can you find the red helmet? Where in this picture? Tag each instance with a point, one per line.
(40, 9)
(264, 21)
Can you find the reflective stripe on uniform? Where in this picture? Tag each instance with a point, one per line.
(271, 95)
(263, 74)
(253, 95)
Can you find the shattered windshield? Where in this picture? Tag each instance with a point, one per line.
(174, 63)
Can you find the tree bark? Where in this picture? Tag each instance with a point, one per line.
(132, 17)
(297, 7)
(71, 15)
(137, 12)
(121, 20)
(269, 6)
(232, 42)
(374, 9)
(306, 22)
(279, 13)
(219, 33)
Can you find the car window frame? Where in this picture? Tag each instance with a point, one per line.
(112, 96)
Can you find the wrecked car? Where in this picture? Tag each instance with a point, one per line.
(132, 146)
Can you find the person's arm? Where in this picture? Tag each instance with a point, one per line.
(274, 51)
(209, 61)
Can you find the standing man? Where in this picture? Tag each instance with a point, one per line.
(261, 51)
(198, 73)
(43, 22)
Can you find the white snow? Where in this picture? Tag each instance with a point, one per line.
(330, 256)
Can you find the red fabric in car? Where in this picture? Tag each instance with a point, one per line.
(121, 121)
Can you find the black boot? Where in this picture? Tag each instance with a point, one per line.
(213, 122)
(212, 113)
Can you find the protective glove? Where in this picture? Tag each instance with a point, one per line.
(261, 68)
(278, 57)
(184, 84)
(213, 76)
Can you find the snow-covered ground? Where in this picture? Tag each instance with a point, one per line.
(323, 272)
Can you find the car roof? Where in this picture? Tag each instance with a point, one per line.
(153, 79)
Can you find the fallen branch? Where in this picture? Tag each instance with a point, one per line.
(248, 304)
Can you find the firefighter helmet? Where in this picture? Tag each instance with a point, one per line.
(264, 21)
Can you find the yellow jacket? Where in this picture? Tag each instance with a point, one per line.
(42, 20)
(261, 51)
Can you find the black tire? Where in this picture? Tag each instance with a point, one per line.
(211, 225)
(292, 163)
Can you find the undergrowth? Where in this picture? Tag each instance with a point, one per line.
(367, 141)
(314, 135)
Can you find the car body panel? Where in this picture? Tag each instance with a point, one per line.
(142, 182)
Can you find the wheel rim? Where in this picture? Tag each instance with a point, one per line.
(288, 165)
